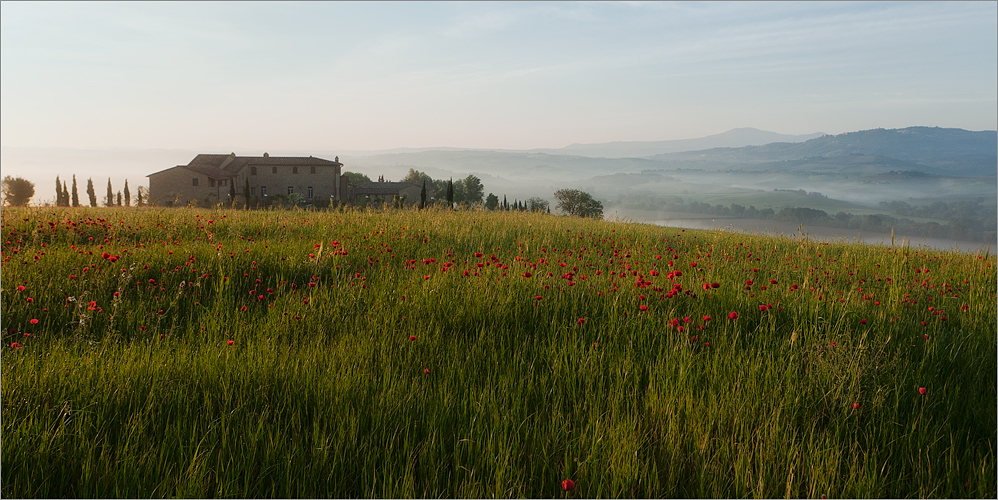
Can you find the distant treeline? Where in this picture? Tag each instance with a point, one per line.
(965, 220)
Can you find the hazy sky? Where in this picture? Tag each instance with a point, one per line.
(232, 76)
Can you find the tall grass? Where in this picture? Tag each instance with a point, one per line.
(323, 393)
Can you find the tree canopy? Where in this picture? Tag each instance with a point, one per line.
(578, 203)
(17, 191)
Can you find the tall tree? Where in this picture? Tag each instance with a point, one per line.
(141, 198)
(505, 205)
(450, 193)
(416, 177)
(76, 193)
(473, 189)
(17, 191)
(128, 195)
(578, 203)
(109, 198)
(422, 196)
(491, 202)
(58, 192)
(91, 192)
(119, 199)
(65, 194)
(246, 194)
(357, 179)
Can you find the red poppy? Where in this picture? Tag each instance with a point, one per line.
(33, 321)
(855, 406)
(232, 342)
(862, 321)
(426, 371)
(922, 391)
(582, 321)
(538, 297)
(643, 307)
(568, 485)
(707, 318)
(733, 315)
(15, 345)
(412, 338)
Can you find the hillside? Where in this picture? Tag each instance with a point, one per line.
(731, 139)
(217, 353)
(935, 150)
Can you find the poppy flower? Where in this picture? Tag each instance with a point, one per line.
(33, 321)
(733, 315)
(922, 391)
(232, 342)
(426, 371)
(568, 485)
(707, 318)
(15, 345)
(643, 307)
(855, 406)
(412, 338)
(582, 321)
(862, 321)
(538, 297)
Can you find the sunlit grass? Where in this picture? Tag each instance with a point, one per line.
(380, 355)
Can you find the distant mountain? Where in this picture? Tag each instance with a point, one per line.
(734, 138)
(951, 151)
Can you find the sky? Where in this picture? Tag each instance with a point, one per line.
(231, 76)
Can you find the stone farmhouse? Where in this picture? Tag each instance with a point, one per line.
(384, 192)
(208, 179)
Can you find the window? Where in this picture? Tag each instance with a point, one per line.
(313, 170)
(294, 170)
(310, 192)
(252, 170)
(211, 182)
(273, 170)
(263, 190)
(195, 181)
(291, 189)
(253, 191)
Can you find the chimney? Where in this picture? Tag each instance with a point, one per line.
(266, 155)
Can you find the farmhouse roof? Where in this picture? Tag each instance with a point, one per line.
(221, 166)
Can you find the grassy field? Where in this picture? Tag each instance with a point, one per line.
(221, 353)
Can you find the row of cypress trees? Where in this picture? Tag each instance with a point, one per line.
(65, 198)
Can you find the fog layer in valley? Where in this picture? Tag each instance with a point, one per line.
(850, 175)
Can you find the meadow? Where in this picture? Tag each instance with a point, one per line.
(225, 353)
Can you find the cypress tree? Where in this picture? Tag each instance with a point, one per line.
(450, 193)
(128, 195)
(58, 192)
(109, 198)
(91, 193)
(139, 202)
(422, 196)
(505, 205)
(65, 194)
(76, 193)
(232, 192)
(119, 198)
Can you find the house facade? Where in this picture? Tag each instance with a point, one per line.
(384, 192)
(210, 178)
